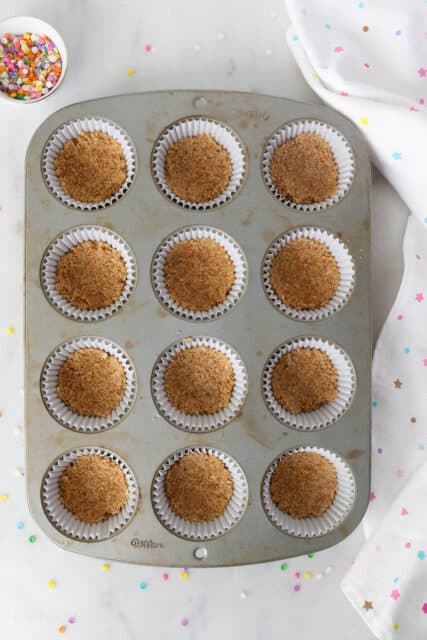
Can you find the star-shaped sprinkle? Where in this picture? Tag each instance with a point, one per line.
(130, 72)
(397, 383)
(404, 512)
(372, 496)
(395, 626)
(424, 607)
(338, 49)
(364, 121)
(368, 605)
(148, 48)
(395, 594)
(400, 317)
(407, 544)
(397, 155)
(422, 72)
(419, 297)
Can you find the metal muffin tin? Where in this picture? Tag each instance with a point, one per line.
(144, 328)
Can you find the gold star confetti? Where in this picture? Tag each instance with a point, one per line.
(367, 605)
(51, 584)
(131, 72)
(3, 497)
(395, 626)
(398, 384)
(105, 567)
(184, 575)
(10, 331)
(364, 121)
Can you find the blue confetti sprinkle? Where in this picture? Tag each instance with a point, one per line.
(375, 404)
(395, 580)
(406, 350)
(361, 5)
(421, 446)
(20, 525)
(294, 38)
(397, 155)
(421, 555)
(425, 220)
(327, 25)
(143, 585)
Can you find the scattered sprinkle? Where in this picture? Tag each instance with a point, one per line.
(395, 626)
(51, 584)
(283, 566)
(243, 595)
(20, 525)
(379, 450)
(408, 545)
(338, 49)
(374, 404)
(184, 622)
(424, 607)
(297, 588)
(184, 574)
(364, 121)
(105, 567)
(419, 297)
(395, 594)
(71, 620)
(32, 539)
(148, 48)
(4, 497)
(62, 628)
(367, 605)
(397, 155)
(310, 555)
(297, 575)
(308, 575)
(10, 331)
(165, 577)
(365, 29)
(400, 317)
(422, 72)
(131, 72)
(143, 585)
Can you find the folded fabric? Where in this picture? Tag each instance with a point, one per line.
(368, 60)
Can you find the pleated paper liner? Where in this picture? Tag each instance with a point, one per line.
(61, 246)
(195, 126)
(333, 516)
(200, 530)
(65, 521)
(205, 422)
(59, 410)
(342, 257)
(232, 249)
(328, 413)
(71, 130)
(341, 150)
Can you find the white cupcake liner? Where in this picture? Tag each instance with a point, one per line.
(343, 258)
(203, 422)
(59, 410)
(341, 150)
(71, 130)
(200, 530)
(233, 251)
(333, 516)
(65, 521)
(327, 413)
(195, 126)
(61, 246)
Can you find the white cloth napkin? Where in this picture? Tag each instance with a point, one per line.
(368, 60)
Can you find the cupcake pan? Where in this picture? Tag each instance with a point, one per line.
(252, 217)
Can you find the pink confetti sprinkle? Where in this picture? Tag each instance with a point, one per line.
(419, 297)
(372, 496)
(424, 607)
(338, 49)
(421, 101)
(400, 317)
(297, 575)
(413, 109)
(425, 362)
(422, 72)
(398, 33)
(184, 622)
(297, 587)
(408, 545)
(366, 65)
(344, 93)
(165, 577)
(71, 620)
(395, 594)
(148, 48)
(404, 512)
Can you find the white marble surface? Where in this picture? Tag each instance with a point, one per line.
(197, 44)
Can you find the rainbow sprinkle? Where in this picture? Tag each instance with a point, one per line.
(30, 65)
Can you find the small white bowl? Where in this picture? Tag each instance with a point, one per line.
(23, 24)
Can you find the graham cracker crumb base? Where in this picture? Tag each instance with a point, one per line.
(304, 484)
(92, 275)
(198, 487)
(93, 488)
(199, 380)
(304, 274)
(91, 167)
(198, 168)
(91, 382)
(199, 274)
(303, 380)
(303, 169)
